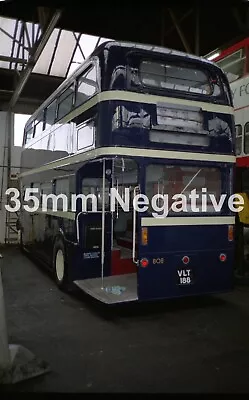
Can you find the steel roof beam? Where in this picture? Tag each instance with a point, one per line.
(180, 32)
(197, 31)
(35, 54)
(241, 25)
(13, 59)
(181, 19)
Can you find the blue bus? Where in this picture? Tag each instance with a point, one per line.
(144, 121)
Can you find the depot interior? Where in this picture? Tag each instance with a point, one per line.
(41, 45)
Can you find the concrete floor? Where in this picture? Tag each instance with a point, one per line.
(193, 345)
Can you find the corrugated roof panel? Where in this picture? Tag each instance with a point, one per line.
(63, 54)
(88, 44)
(7, 25)
(43, 62)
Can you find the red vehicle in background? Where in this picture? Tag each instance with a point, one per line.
(234, 61)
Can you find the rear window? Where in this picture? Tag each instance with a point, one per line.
(169, 76)
(173, 180)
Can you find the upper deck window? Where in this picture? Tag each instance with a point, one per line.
(181, 78)
(50, 113)
(65, 102)
(86, 85)
(233, 65)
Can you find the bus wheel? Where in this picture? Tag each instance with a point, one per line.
(60, 265)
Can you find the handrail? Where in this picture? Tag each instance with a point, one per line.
(77, 226)
(134, 230)
(103, 228)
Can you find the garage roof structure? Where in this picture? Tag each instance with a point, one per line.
(43, 43)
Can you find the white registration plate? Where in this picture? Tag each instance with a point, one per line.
(184, 276)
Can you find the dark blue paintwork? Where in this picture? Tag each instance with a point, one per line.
(202, 244)
(139, 137)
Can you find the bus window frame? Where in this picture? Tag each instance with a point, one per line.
(232, 49)
(45, 112)
(244, 59)
(82, 125)
(54, 188)
(29, 127)
(58, 102)
(210, 70)
(178, 66)
(241, 136)
(88, 68)
(42, 113)
(179, 163)
(246, 124)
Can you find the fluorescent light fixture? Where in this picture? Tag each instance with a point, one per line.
(212, 56)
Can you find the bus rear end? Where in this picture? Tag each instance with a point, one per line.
(180, 107)
(186, 245)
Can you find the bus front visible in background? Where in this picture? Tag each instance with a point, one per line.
(234, 61)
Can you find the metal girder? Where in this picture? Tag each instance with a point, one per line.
(73, 54)
(13, 43)
(12, 38)
(54, 52)
(13, 59)
(20, 43)
(78, 45)
(180, 32)
(182, 18)
(43, 15)
(197, 32)
(37, 50)
(27, 34)
(242, 27)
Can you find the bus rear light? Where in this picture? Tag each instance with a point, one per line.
(185, 260)
(223, 257)
(144, 236)
(230, 233)
(144, 262)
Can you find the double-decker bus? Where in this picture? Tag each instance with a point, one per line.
(139, 120)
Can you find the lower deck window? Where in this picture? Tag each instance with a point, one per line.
(183, 180)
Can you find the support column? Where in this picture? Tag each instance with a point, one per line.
(16, 362)
(4, 346)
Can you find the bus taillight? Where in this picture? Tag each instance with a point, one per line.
(144, 262)
(185, 260)
(223, 257)
(144, 236)
(230, 233)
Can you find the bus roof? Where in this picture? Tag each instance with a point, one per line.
(149, 47)
(109, 44)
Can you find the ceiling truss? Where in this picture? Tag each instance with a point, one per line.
(183, 28)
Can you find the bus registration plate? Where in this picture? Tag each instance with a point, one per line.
(184, 276)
